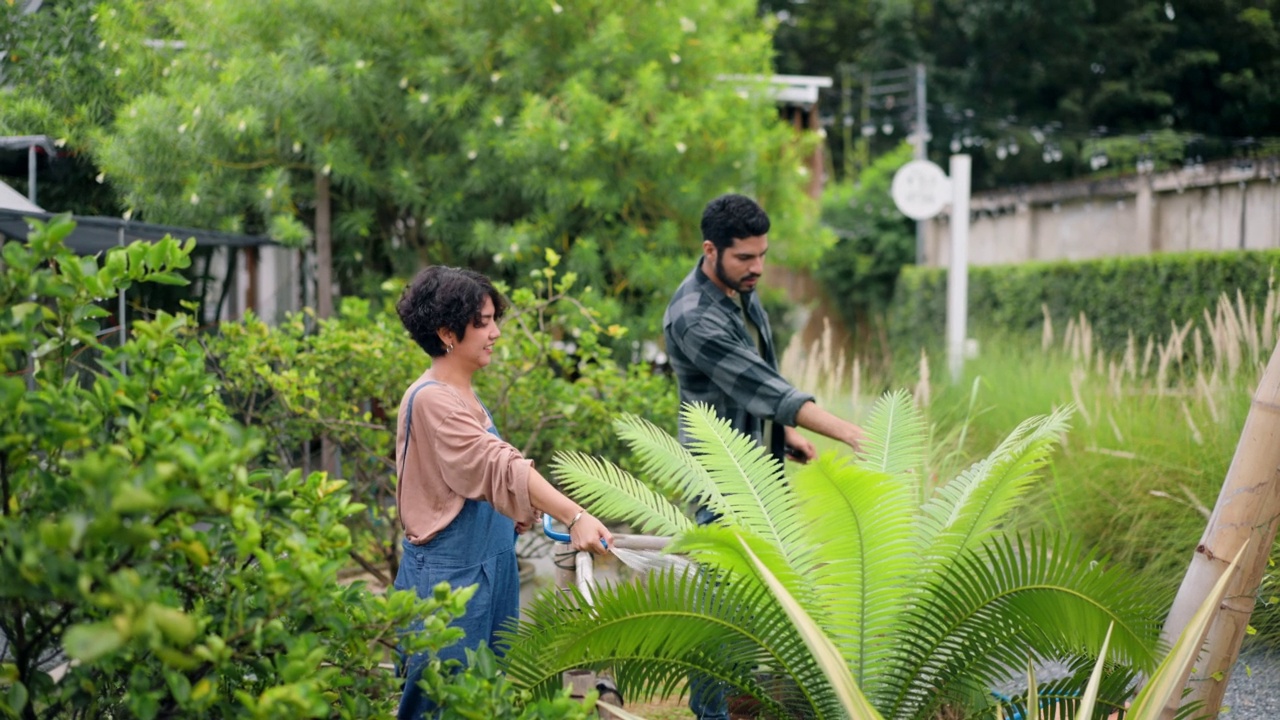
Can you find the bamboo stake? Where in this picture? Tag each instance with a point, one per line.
(1248, 507)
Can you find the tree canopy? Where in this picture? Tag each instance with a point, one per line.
(1063, 80)
(477, 133)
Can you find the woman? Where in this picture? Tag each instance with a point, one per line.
(463, 493)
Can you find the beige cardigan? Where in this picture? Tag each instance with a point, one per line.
(450, 458)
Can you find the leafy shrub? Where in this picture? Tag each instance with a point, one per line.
(147, 571)
(876, 240)
(1143, 295)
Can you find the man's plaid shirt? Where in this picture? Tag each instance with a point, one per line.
(716, 361)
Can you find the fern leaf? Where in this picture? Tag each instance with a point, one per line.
(667, 463)
(1036, 596)
(894, 436)
(967, 511)
(608, 491)
(752, 493)
(859, 523)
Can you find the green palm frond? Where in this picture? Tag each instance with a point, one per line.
(895, 436)
(653, 634)
(1036, 596)
(608, 491)
(752, 493)
(722, 548)
(667, 463)
(1061, 698)
(859, 523)
(967, 511)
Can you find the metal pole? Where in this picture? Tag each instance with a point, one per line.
(846, 120)
(31, 174)
(922, 147)
(122, 325)
(958, 274)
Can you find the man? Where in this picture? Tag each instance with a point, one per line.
(721, 349)
(721, 344)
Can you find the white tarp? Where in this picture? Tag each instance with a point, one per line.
(11, 199)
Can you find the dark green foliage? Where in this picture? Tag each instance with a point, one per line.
(482, 690)
(1144, 296)
(876, 241)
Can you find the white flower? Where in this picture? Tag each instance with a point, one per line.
(675, 59)
(326, 169)
(241, 126)
(133, 112)
(127, 214)
(165, 72)
(423, 98)
(688, 25)
(270, 193)
(93, 17)
(471, 154)
(564, 145)
(60, 142)
(404, 83)
(429, 222)
(802, 171)
(555, 8)
(497, 120)
(196, 112)
(195, 199)
(118, 72)
(498, 258)
(297, 146)
(681, 147)
(182, 128)
(514, 248)
(360, 64)
(100, 178)
(102, 44)
(495, 77)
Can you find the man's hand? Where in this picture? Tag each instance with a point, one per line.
(798, 446)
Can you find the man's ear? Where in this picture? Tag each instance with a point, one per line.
(709, 249)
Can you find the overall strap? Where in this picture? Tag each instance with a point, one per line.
(408, 426)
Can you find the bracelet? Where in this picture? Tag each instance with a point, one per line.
(575, 519)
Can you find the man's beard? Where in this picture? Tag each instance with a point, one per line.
(735, 285)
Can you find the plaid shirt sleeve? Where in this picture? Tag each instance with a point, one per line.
(730, 366)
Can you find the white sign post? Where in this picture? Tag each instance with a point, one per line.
(958, 272)
(921, 190)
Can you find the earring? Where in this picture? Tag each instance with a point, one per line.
(448, 348)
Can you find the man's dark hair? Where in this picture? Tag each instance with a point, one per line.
(730, 218)
(445, 297)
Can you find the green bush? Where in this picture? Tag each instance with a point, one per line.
(1143, 295)
(147, 570)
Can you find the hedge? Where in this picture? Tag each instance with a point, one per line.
(1143, 294)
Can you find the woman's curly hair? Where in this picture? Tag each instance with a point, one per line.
(445, 297)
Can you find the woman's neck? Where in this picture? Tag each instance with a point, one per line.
(445, 371)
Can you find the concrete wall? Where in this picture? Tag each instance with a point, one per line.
(1227, 206)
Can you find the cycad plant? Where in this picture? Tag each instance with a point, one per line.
(925, 597)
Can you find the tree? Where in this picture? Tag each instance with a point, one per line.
(927, 600)
(1055, 80)
(469, 133)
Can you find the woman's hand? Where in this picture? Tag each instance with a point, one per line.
(587, 533)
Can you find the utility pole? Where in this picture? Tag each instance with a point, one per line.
(921, 140)
(846, 120)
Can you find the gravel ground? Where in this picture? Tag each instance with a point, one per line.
(1253, 693)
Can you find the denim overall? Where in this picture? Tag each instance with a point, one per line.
(477, 548)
